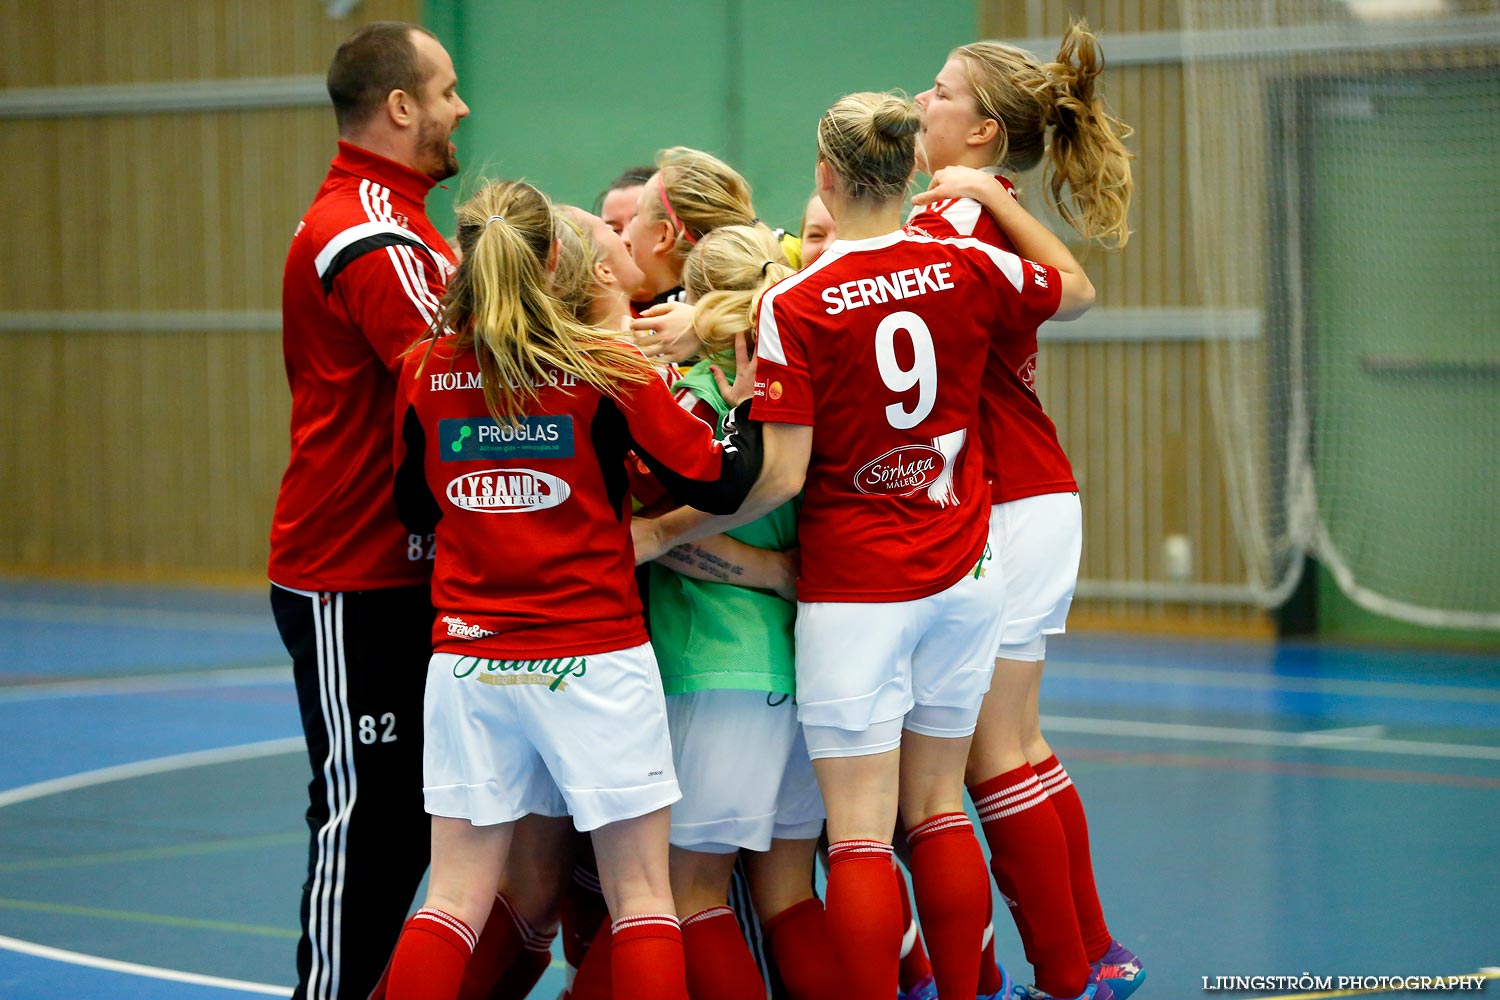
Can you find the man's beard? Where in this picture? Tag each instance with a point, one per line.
(433, 142)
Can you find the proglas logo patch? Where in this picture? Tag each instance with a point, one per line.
(471, 438)
(507, 491)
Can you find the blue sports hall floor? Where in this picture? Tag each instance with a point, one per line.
(1257, 809)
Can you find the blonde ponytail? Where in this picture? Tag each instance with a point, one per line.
(499, 304)
(1087, 153)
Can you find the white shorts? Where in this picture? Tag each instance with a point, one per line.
(1038, 542)
(744, 770)
(861, 664)
(584, 736)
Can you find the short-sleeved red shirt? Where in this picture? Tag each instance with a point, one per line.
(1023, 457)
(880, 345)
(534, 556)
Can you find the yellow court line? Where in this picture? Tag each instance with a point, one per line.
(159, 919)
(153, 853)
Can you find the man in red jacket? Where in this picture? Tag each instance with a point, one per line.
(349, 584)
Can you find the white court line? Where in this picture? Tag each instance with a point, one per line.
(157, 765)
(175, 618)
(1273, 682)
(151, 971)
(184, 680)
(1315, 740)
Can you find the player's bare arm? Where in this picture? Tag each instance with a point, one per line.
(742, 565)
(787, 448)
(1033, 240)
(665, 333)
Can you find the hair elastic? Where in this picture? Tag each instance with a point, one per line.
(661, 189)
(764, 266)
(493, 218)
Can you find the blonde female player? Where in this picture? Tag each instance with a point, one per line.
(551, 877)
(691, 194)
(727, 664)
(818, 231)
(612, 280)
(543, 695)
(878, 346)
(996, 108)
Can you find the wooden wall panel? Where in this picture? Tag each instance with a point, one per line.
(1135, 416)
(173, 211)
(149, 451)
(57, 43)
(154, 453)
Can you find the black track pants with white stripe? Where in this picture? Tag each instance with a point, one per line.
(360, 664)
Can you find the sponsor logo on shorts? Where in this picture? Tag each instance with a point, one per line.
(553, 673)
(507, 491)
(984, 559)
(470, 438)
(460, 629)
(773, 391)
(901, 471)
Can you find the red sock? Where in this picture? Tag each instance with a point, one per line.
(1008, 894)
(948, 876)
(802, 949)
(430, 957)
(914, 964)
(989, 970)
(719, 963)
(583, 913)
(1096, 935)
(593, 979)
(864, 917)
(1029, 853)
(518, 980)
(646, 961)
(505, 934)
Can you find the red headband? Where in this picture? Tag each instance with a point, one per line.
(661, 189)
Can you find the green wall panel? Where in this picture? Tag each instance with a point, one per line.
(565, 94)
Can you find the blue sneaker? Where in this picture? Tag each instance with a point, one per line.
(922, 989)
(1007, 987)
(1120, 969)
(1093, 991)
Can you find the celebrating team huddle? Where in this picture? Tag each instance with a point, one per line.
(856, 523)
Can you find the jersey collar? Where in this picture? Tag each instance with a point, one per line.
(360, 162)
(870, 242)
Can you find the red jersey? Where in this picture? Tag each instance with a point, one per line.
(534, 556)
(1022, 454)
(362, 282)
(879, 346)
